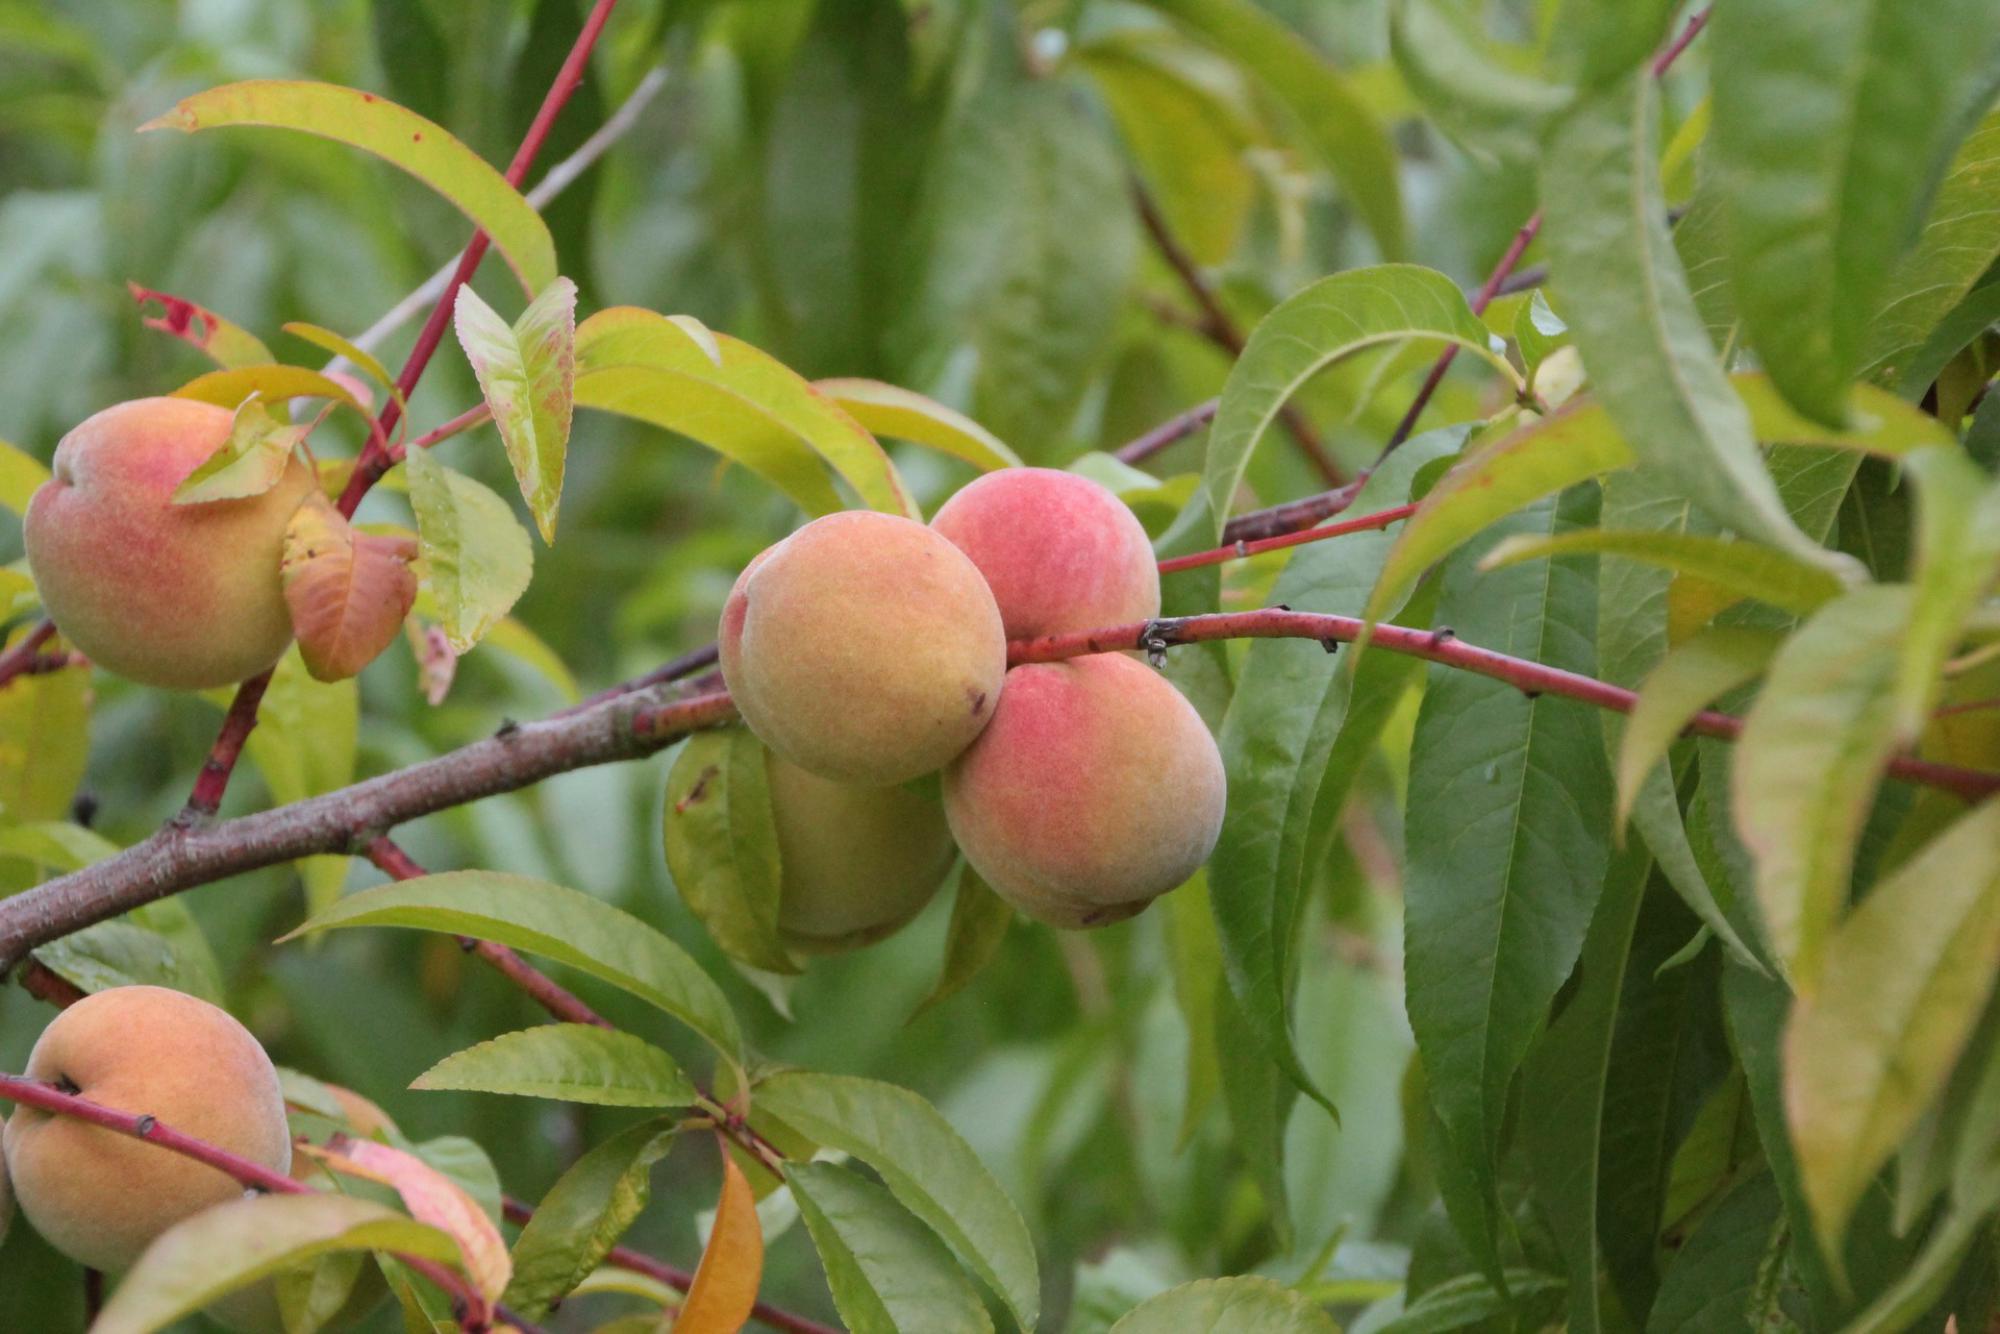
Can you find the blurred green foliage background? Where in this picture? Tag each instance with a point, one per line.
(933, 192)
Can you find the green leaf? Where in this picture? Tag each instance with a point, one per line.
(305, 744)
(123, 953)
(1809, 762)
(21, 475)
(477, 556)
(233, 1245)
(1332, 117)
(527, 374)
(1960, 240)
(1465, 1301)
(722, 845)
(1830, 122)
(274, 384)
(888, 1272)
(1259, 1098)
(329, 341)
(1901, 986)
(1634, 320)
(250, 462)
(1538, 332)
(44, 741)
(1745, 568)
(904, 414)
(1713, 1283)
(1581, 442)
(1194, 954)
(1246, 1305)
(569, 1062)
(399, 137)
(557, 923)
(1289, 704)
(1477, 95)
(1507, 832)
(1603, 39)
(1331, 319)
(924, 1163)
(979, 922)
(1958, 554)
(1690, 678)
(583, 1215)
(751, 407)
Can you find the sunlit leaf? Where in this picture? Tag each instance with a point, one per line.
(273, 384)
(251, 461)
(398, 136)
(477, 557)
(328, 340)
(44, 741)
(732, 1265)
(570, 1062)
(348, 591)
(1747, 569)
(21, 475)
(903, 414)
(527, 373)
(1690, 678)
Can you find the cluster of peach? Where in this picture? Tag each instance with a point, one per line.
(867, 650)
(101, 1197)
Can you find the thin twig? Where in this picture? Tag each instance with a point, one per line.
(1239, 550)
(1169, 432)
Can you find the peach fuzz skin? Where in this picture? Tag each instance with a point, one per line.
(863, 648)
(1095, 789)
(101, 1197)
(1059, 551)
(181, 596)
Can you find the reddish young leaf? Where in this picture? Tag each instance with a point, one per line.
(725, 1283)
(431, 1197)
(228, 345)
(348, 591)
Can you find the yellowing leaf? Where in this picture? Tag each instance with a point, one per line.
(528, 376)
(21, 475)
(248, 463)
(431, 1197)
(399, 137)
(477, 555)
(904, 414)
(273, 384)
(228, 345)
(341, 347)
(348, 591)
(725, 1283)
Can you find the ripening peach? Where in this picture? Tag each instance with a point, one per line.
(101, 1197)
(1059, 551)
(855, 863)
(182, 596)
(1096, 789)
(863, 648)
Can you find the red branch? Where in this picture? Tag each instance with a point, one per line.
(34, 1093)
(1239, 550)
(1439, 646)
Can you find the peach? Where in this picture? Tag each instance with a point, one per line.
(182, 596)
(856, 862)
(1059, 551)
(1096, 789)
(101, 1197)
(864, 648)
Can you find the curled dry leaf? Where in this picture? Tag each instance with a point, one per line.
(348, 591)
(431, 1197)
(725, 1283)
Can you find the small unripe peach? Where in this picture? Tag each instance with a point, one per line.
(1096, 789)
(183, 596)
(101, 1197)
(864, 648)
(856, 862)
(1059, 551)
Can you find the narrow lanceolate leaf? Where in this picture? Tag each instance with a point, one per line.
(887, 1271)
(1247, 1305)
(1333, 318)
(1335, 120)
(570, 1062)
(924, 1163)
(1902, 985)
(1601, 39)
(1809, 762)
(1290, 702)
(751, 406)
(1958, 555)
(1483, 101)
(1713, 1283)
(904, 414)
(249, 463)
(399, 137)
(327, 340)
(1466, 1301)
(1960, 240)
(583, 1215)
(1689, 679)
(725, 1283)
(1627, 302)
(1747, 569)
(233, 1245)
(431, 1197)
(1582, 441)
(1830, 121)
(272, 384)
(348, 591)
(979, 922)
(527, 374)
(722, 845)
(557, 923)
(477, 557)
(1507, 829)
(227, 344)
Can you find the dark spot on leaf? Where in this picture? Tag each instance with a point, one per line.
(698, 791)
